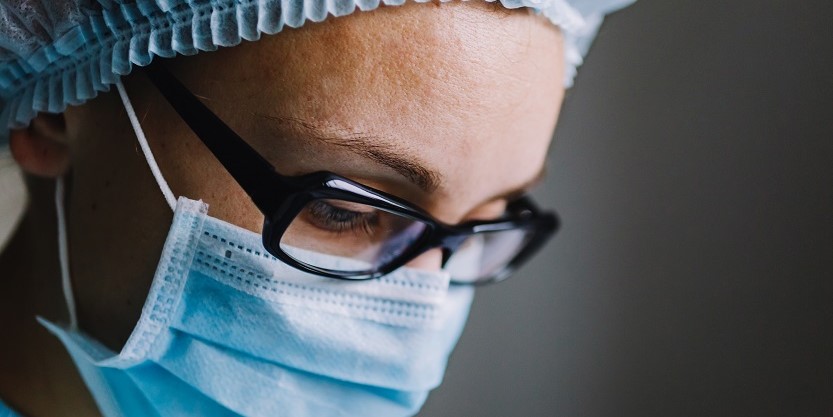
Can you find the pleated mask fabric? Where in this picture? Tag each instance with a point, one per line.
(289, 343)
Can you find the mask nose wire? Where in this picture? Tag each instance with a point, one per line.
(143, 143)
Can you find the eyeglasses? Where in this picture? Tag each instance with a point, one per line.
(369, 233)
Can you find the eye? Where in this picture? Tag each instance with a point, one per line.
(341, 216)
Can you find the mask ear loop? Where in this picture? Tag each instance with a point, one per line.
(143, 143)
(63, 253)
(63, 245)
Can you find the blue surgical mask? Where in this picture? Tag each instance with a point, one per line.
(229, 330)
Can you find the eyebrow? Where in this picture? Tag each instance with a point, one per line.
(370, 146)
(380, 149)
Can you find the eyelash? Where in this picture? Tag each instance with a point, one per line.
(331, 218)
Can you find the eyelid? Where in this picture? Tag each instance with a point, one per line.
(349, 206)
(328, 215)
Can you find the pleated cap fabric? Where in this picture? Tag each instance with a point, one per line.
(55, 53)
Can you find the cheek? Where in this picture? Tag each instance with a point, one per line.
(186, 164)
(192, 171)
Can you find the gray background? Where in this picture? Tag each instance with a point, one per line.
(693, 169)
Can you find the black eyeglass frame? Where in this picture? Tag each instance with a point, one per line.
(281, 198)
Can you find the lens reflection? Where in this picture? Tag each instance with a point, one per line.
(484, 255)
(367, 235)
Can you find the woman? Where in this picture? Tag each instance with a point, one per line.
(362, 173)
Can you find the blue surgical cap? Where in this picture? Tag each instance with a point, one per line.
(55, 53)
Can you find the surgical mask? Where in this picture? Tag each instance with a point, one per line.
(228, 330)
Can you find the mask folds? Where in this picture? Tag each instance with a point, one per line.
(229, 330)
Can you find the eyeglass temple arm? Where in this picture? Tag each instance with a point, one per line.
(254, 174)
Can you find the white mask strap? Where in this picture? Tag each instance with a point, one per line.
(63, 253)
(143, 143)
(63, 245)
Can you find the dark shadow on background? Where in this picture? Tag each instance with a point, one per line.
(693, 276)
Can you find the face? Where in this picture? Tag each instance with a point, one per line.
(448, 106)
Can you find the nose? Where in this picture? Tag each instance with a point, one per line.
(431, 260)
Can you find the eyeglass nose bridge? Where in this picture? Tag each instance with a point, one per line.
(449, 245)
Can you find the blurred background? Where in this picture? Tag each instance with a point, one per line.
(693, 170)
(12, 196)
(693, 276)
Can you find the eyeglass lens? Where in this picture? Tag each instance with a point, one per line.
(366, 238)
(348, 237)
(486, 255)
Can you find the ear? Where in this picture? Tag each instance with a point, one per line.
(41, 149)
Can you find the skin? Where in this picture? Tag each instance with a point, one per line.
(467, 91)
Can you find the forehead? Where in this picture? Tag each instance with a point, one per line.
(474, 92)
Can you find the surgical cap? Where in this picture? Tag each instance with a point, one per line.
(55, 53)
